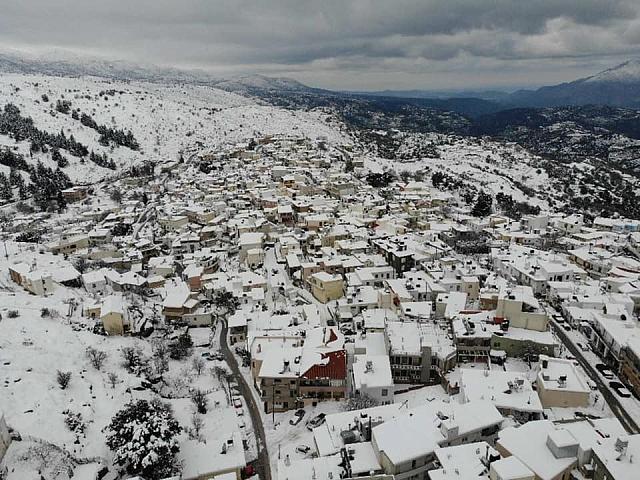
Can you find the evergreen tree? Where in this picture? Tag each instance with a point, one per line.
(482, 208)
(143, 439)
(5, 187)
(22, 190)
(14, 177)
(46, 186)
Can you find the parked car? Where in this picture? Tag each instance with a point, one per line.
(297, 417)
(237, 402)
(583, 347)
(316, 421)
(248, 472)
(605, 371)
(592, 384)
(304, 449)
(620, 389)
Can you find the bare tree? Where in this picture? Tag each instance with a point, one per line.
(96, 357)
(43, 453)
(160, 356)
(133, 359)
(198, 365)
(197, 424)
(112, 378)
(225, 303)
(222, 375)
(63, 379)
(200, 400)
(81, 264)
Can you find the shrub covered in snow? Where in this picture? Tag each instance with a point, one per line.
(143, 439)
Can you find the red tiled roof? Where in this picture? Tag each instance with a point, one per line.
(335, 368)
(332, 336)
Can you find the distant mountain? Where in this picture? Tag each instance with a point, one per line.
(117, 70)
(252, 84)
(617, 86)
(438, 94)
(76, 66)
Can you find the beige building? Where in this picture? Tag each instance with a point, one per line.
(35, 281)
(175, 222)
(113, 316)
(326, 287)
(69, 243)
(249, 241)
(518, 306)
(560, 384)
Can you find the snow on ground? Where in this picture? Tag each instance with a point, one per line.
(283, 438)
(33, 348)
(165, 119)
(489, 165)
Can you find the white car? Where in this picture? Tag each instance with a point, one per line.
(608, 374)
(583, 347)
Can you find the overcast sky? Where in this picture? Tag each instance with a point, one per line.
(342, 44)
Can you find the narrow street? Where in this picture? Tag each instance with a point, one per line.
(614, 404)
(262, 465)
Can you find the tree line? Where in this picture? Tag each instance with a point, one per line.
(20, 128)
(110, 135)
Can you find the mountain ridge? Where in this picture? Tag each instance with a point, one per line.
(616, 86)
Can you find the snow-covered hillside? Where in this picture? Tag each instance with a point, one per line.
(625, 72)
(491, 166)
(164, 119)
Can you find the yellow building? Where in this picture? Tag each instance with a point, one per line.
(113, 315)
(326, 287)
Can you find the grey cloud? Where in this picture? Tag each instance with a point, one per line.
(328, 37)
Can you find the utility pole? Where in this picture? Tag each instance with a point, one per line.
(273, 404)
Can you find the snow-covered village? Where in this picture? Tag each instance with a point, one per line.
(280, 302)
(230, 277)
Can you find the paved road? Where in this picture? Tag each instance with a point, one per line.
(614, 404)
(262, 465)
